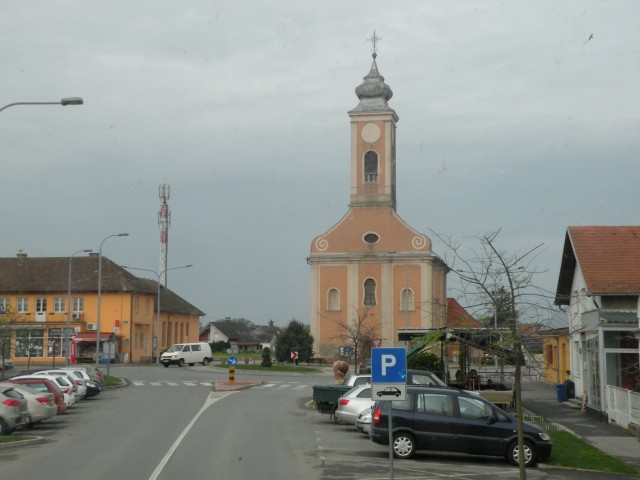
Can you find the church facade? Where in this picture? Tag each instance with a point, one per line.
(372, 273)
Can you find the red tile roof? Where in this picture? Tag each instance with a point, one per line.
(609, 258)
(458, 317)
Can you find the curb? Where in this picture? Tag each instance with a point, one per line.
(22, 443)
(225, 386)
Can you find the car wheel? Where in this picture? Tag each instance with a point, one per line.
(205, 362)
(404, 445)
(181, 363)
(4, 429)
(166, 365)
(513, 453)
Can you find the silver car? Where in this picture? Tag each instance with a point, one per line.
(363, 424)
(41, 405)
(13, 409)
(352, 403)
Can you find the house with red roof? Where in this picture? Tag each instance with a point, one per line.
(599, 284)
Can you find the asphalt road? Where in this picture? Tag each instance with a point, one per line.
(168, 423)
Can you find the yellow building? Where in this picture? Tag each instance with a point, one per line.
(372, 273)
(555, 348)
(41, 296)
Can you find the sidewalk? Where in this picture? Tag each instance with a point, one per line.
(541, 399)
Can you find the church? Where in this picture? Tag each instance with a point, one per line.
(371, 273)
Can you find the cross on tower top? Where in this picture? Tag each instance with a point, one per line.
(374, 41)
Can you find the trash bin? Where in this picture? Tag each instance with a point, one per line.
(571, 389)
(561, 390)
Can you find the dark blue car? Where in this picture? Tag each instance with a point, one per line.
(451, 420)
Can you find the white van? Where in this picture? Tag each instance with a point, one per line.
(190, 353)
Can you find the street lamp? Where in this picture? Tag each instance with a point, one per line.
(100, 294)
(157, 274)
(67, 334)
(64, 102)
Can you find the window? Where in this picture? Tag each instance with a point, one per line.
(406, 300)
(333, 300)
(58, 305)
(474, 408)
(29, 343)
(78, 305)
(4, 305)
(371, 167)
(55, 342)
(195, 348)
(135, 304)
(371, 238)
(434, 404)
(146, 305)
(41, 304)
(369, 292)
(23, 305)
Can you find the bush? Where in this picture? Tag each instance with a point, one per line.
(266, 357)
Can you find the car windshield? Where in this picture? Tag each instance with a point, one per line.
(174, 348)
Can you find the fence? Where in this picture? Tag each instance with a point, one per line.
(623, 406)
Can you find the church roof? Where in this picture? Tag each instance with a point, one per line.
(373, 92)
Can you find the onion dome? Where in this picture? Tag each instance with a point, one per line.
(373, 92)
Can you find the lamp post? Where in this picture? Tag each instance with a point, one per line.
(157, 274)
(64, 102)
(67, 333)
(100, 294)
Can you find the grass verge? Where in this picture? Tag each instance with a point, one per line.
(570, 451)
(13, 438)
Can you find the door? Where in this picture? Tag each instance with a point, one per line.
(482, 429)
(434, 422)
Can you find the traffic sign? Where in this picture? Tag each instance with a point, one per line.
(388, 365)
(294, 355)
(388, 391)
(232, 361)
(347, 351)
(376, 342)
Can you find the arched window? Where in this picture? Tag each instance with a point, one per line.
(333, 300)
(371, 167)
(406, 300)
(369, 292)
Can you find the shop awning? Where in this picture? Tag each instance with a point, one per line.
(92, 337)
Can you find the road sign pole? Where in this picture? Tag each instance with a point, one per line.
(232, 375)
(390, 439)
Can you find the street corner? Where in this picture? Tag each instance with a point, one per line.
(227, 386)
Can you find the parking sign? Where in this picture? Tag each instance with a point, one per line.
(388, 365)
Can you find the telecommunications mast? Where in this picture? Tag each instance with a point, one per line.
(164, 220)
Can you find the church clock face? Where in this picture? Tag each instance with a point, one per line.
(370, 133)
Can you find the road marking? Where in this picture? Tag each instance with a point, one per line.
(173, 384)
(206, 384)
(190, 384)
(139, 384)
(156, 384)
(213, 398)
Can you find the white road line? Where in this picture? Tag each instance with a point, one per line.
(138, 384)
(173, 384)
(156, 384)
(269, 385)
(206, 384)
(213, 398)
(190, 384)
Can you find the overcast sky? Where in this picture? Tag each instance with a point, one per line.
(510, 117)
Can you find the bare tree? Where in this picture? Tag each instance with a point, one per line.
(494, 284)
(8, 320)
(358, 331)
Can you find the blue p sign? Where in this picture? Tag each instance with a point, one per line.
(388, 365)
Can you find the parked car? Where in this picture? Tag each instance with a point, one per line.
(93, 387)
(45, 385)
(80, 390)
(452, 420)
(14, 412)
(352, 403)
(6, 364)
(353, 380)
(41, 405)
(95, 373)
(189, 353)
(62, 381)
(363, 423)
